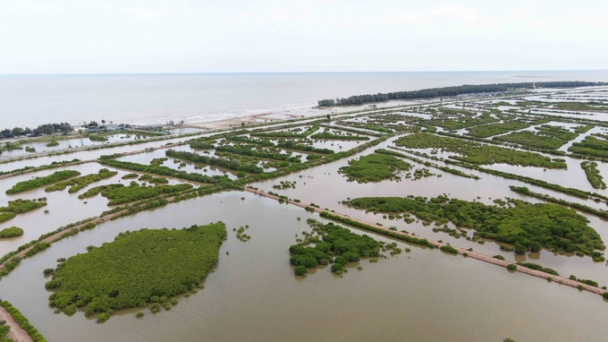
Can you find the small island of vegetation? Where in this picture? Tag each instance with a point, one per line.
(19, 206)
(146, 266)
(374, 168)
(42, 181)
(10, 232)
(335, 245)
(526, 226)
(76, 184)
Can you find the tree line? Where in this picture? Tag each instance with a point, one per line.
(449, 91)
(46, 129)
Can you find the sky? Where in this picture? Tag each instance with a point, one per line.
(181, 36)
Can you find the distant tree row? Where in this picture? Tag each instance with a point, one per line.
(62, 127)
(450, 91)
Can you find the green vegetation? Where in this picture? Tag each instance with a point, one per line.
(79, 183)
(292, 134)
(42, 181)
(371, 127)
(22, 321)
(331, 136)
(390, 233)
(478, 153)
(300, 270)
(374, 168)
(464, 122)
(448, 91)
(158, 180)
(10, 232)
(583, 129)
(585, 281)
(425, 163)
(526, 226)
(449, 249)
(499, 128)
(241, 236)
(130, 176)
(147, 266)
(19, 206)
(291, 145)
(353, 130)
(591, 146)
(134, 192)
(40, 168)
(201, 145)
(511, 267)
(581, 106)
(538, 268)
(53, 143)
(525, 191)
(98, 138)
(166, 171)
(225, 163)
(593, 175)
(158, 161)
(532, 139)
(533, 181)
(92, 192)
(546, 137)
(247, 151)
(332, 241)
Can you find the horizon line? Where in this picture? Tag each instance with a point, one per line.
(285, 72)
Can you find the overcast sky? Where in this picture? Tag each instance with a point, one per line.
(133, 36)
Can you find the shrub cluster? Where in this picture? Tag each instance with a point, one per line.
(19, 206)
(79, 183)
(10, 232)
(527, 226)
(42, 181)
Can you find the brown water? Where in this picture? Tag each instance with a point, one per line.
(64, 208)
(252, 295)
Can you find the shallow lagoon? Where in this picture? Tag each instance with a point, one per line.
(253, 295)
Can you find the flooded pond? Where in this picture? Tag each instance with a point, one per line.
(402, 297)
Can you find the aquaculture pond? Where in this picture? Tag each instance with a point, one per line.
(62, 207)
(336, 188)
(253, 284)
(432, 171)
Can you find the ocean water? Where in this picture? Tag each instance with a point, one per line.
(158, 98)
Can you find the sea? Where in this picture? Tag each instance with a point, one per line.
(148, 99)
